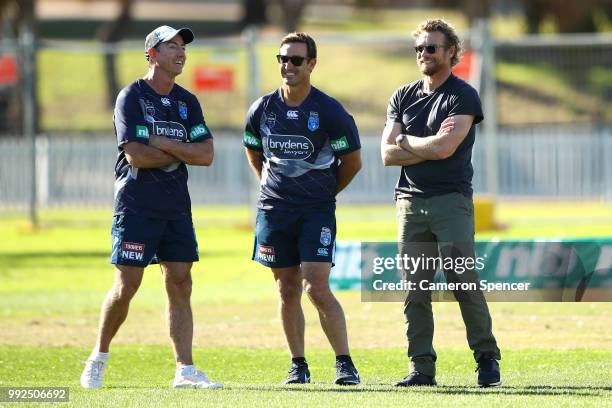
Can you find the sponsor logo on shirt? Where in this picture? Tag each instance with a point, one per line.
(182, 107)
(323, 252)
(166, 102)
(132, 251)
(326, 236)
(142, 132)
(197, 131)
(340, 144)
(265, 253)
(313, 121)
(290, 147)
(250, 140)
(292, 114)
(172, 130)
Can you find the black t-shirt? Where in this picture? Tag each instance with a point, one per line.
(139, 112)
(421, 115)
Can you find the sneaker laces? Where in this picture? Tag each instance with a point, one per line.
(344, 366)
(94, 369)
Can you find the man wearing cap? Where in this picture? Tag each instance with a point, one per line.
(160, 129)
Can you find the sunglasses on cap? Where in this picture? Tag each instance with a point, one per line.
(296, 60)
(430, 49)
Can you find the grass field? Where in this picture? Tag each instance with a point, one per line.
(53, 279)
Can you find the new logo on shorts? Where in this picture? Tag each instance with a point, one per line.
(265, 253)
(132, 251)
(323, 252)
(182, 107)
(313, 121)
(326, 236)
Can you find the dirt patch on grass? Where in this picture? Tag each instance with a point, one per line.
(371, 325)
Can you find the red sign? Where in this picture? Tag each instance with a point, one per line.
(8, 70)
(213, 79)
(464, 68)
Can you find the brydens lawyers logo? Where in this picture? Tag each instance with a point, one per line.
(132, 251)
(265, 253)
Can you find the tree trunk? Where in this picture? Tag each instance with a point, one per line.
(110, 35)
(292, 13)
(253, 13)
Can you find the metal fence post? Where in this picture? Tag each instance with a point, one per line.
(28, 51)
(253, 92)
(486, 45)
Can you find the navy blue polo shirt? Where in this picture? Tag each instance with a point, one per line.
(301, 146)
(140, 112)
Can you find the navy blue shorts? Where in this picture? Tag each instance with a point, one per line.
(139, 241)
(288, 238)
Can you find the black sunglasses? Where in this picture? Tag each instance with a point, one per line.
(430, 49)
(296, 60)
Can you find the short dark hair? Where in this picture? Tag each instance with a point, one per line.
(452, 40)
(311, 46)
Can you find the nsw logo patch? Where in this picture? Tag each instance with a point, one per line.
(313, 121)
(326, 236)
(182, 107)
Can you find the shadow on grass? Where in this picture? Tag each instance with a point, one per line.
(586, 391)
(16, 256)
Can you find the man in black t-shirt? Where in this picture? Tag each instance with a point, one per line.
(160, 129)
(430, 134)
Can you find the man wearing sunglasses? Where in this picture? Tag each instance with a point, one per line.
(304, 148)
(430, 134)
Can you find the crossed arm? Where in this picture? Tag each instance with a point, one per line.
(399, 149)
(162, 151)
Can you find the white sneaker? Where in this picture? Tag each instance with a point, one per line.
(189, 377)
(93, 374)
